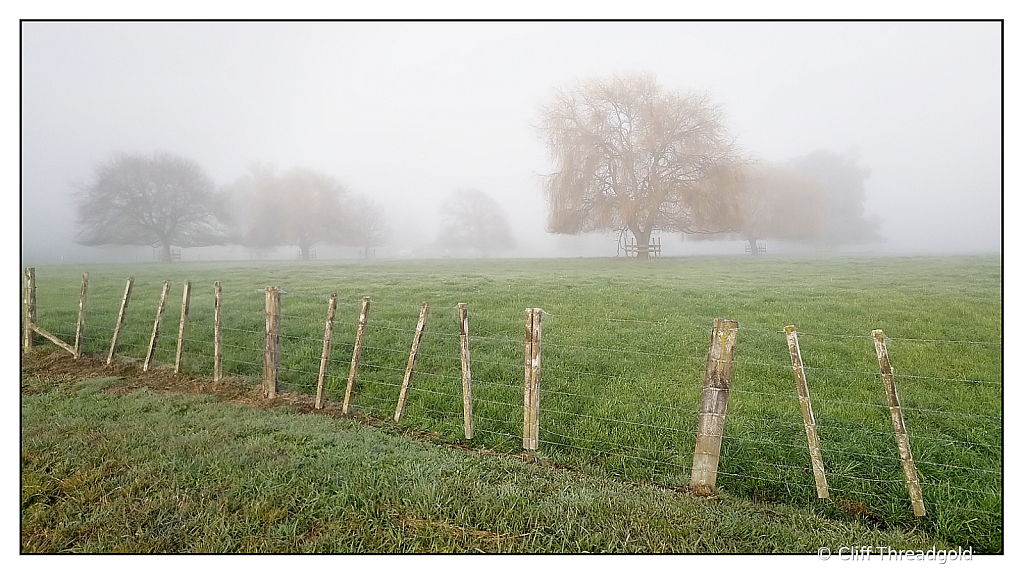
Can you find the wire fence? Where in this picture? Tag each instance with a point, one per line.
(619, 396)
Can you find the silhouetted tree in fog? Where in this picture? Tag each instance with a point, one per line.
(369, 226)
(632, 156)
(470, 219)
(299, 207)
(779, 202)
(843, 182)
(159, 200)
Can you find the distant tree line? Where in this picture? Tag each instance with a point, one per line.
(633, 157)
(163, 200)
(629, 157)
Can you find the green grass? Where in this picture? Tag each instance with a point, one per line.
(623, 361)
(151, 472)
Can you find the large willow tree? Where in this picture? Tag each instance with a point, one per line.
(631, 156)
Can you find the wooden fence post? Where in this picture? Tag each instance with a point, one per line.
(80, 328)
(120, 318)
(218, 334)
(186, 296)
(531, 386)
(325, 357)
(714, 401)
(271, 342)
(156, 325)
(30, 307)
(357, 351)
(467, 380)
(810, 426)
(411, 364)
(896, 413)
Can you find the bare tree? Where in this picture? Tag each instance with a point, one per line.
(631, 156)
(299, 207)
(159, 200)
(842, 178)
(369, 226)
(779, 202)
(472, 220)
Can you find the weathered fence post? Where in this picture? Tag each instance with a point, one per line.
(186, 295)
(120, 318)
(357, 351)
(411, 364)
(156, 325)
(325, 357)
(271, 342)
(467, 380)
(218, 334)
(30, 307)
(531, 386)
(805, 407)
(896, 413)
(714, 401)
(80, 328)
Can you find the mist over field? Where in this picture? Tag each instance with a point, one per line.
(417, 117)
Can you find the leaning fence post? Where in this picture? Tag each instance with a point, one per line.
(120, 318)
(80, 328)
(357, 351)
(714, 401)
(403, 395)
(30, 306)
(271, 342)
(218, 335)
(467, 380)
(805, 407)
(531, 386)
(186, 295)
(325, 357)
(896, 413)
(156, 325)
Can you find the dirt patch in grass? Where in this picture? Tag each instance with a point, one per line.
(58, 367)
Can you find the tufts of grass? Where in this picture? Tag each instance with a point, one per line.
(623, 362)
(149, 472)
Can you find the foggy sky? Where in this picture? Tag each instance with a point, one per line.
(407, 113)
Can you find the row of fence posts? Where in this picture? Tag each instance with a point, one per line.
(714, 396)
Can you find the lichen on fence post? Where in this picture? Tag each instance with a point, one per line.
(467, 379)
(80, 326)
(218, 334)
(325, 356)
(30, 307)
(271, 342)
(896, 413)
(410, 366)
(357, 350)
(810, 426)
(714, 401)
(186, 295)
(156, 325)
(120, 318)
(531, 385)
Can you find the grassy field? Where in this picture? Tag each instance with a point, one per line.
(114, 463)
(623, 362)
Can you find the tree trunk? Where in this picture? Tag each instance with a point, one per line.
(165, 253)
(752, 242)
(643, 244)
(304, 248)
